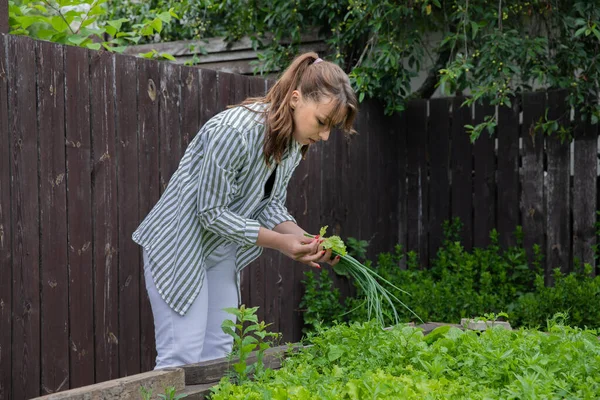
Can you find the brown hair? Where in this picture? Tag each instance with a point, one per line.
(315, 81)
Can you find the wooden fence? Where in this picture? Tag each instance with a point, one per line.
(92, 139)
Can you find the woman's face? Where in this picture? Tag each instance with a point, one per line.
(311, 119)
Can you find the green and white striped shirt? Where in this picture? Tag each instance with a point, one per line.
(215, 197)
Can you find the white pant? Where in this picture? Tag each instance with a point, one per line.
(196, 336)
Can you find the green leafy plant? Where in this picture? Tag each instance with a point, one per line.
(81, 23)
(320, 304)
(248, 335)
(363, 361)
(171, 394)
(375, 294)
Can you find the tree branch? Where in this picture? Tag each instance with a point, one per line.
(428, 87)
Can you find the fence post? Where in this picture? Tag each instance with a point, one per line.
(3, 16)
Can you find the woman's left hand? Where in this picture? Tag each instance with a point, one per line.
(326, 257)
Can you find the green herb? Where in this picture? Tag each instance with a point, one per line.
(376, 295)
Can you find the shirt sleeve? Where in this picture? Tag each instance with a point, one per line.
(225, 152)
(276, 212)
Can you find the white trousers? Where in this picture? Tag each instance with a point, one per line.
(197, 336)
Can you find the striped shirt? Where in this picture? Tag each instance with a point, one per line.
(215, 197)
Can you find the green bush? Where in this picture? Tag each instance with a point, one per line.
(467, 284)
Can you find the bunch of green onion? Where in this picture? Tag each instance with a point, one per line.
(366, 279)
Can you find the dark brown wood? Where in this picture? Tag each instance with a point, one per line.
(79, 212)
(149, 188)
(532, 206)
(6, 230)
(508, 172)
(484, 181)
(213, 370)
(4, 27)
(558, 251)
(53, 218)
(255, 272)
(585, 195)
(190, 106)
(25, 218)
(225, 90)
(169, 124)
(416, 145)
(208, 95)
(128, 207)
(104, 209)
(398, 129)
(439, 159)
(462, 170)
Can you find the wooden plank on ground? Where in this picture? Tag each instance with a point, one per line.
(532, 178)
(127, 387)
(104, 209)
(53, 218)
(190, 106)
(79, 211)
(558, 254)
(128, 208)
(168, 119)
(6, 230)
(462, 170)
(585, 194)
(149, 187)
(508, 172)
(439, 159)
(25, 218)
(416, 170)
(484, 181)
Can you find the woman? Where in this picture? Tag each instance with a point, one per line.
(226, 201)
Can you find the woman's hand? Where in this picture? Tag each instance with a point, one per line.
(301, 248)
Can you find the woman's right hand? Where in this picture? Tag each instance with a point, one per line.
(301, 248)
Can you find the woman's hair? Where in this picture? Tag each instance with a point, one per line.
(315, 80)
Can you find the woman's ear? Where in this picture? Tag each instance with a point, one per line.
(295, 99)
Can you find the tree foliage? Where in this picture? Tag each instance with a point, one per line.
(492, 50)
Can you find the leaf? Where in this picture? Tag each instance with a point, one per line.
(474, 28)
(167, 56)
(93, 46)
(156, 24)
(334, 352)
(361, 97)
(165, 16)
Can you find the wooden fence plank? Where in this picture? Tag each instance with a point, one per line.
(104, 208)
(462, 170)
(128, 208)
(225, 90)
(484, 181)
(584, 193)
(558, 244)
(439, 185)
(532, 177)
(53, 219)
(256, 270)
(79, 213)
(416, 170)
(4, 27)
(149, 187)
(208, 95)
(25, 219)
(6, 231)
(508, 172)
(190, 106)
(168, 119)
